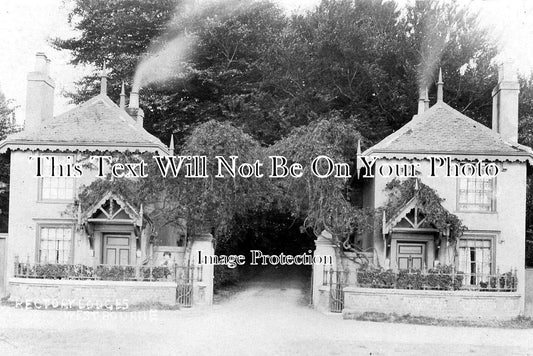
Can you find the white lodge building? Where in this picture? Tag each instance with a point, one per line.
(39, 228)
(493, 209)
(113, 232)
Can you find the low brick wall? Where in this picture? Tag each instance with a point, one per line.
(91, 292)
(435, 304)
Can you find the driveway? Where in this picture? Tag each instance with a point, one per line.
(269, 317)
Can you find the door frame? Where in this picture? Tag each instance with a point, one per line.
(413, 236)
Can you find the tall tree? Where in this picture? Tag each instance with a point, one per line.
(268, 73)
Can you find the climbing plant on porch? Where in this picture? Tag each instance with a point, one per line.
(401, 192)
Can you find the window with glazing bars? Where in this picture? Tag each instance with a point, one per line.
(55, 244)
(57, 188)
(475, 259)
(476, 194)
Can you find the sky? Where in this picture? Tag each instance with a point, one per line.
(26, 26)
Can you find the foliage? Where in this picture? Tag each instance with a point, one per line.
(225, 276)
(6, 127)
(505, 282)
(441, 277)
(272, 230)
(101, 272)
(429, 202)
(374, 277)
(115, 273)
(155, 272)
(322, 203)
(525, 137)
(529, 253)
(60, 271)
(131, 190)
(210, 204)
(268, 72)
(126, 188)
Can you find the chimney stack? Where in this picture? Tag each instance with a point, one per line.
(103, 81)
(133, 109)
(39, 94)
(421, 102)
(122, 102)
(440, 88)
(505, 103)
(171, 145)
(426, 100)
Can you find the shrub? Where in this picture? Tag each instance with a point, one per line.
(102, 272)
(410, 280)
(115, 273)
(158, 272)
(225, 276)
(437, 278)
(529, 253)
(376, 278)
(59, 271)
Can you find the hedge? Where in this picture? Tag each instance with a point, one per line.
(437, 278)
(101, 272)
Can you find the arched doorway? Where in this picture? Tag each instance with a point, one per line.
(274, 233)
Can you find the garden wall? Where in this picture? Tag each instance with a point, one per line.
(470, 305)
(91, 292)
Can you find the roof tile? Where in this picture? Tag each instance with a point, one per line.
(444, 130)
(98, 123)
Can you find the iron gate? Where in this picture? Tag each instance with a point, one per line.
(336, 281)
(185, 278)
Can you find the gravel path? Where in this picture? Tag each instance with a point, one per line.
(268, 317)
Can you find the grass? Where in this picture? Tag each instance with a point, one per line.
(516, 323)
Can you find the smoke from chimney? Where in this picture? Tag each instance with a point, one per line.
(168, 55)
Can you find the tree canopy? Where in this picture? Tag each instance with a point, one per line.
(268, 72)
(254, 80)
(7, 126)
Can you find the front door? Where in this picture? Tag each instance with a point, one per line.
(117, 249)
(411, 255)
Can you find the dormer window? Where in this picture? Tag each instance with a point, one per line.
(476, 195)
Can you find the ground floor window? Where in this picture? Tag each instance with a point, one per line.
(55, 244)
(475, 259)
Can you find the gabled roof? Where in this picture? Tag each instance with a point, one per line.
(96, 125)
(442, 130)
(113, 212)
(388, 225)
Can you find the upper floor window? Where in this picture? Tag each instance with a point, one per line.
(477, 194)
(56, 188)
(55, 244)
